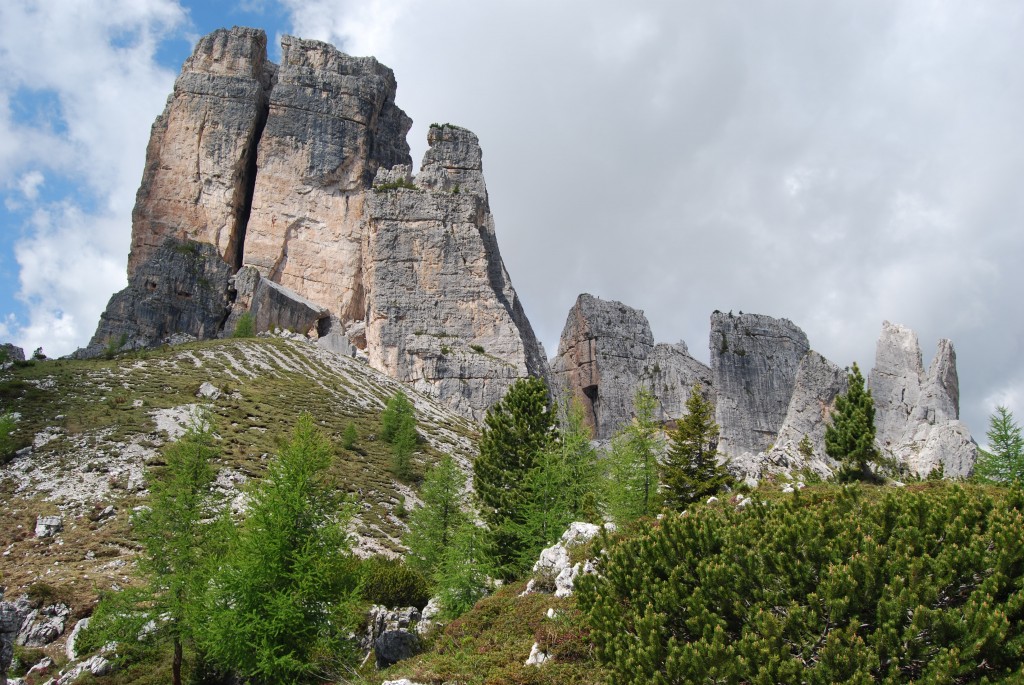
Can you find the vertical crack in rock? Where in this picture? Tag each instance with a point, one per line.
(195, 185)
(248, 183)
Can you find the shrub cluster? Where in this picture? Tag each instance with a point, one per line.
(393, 584)
(923, 586)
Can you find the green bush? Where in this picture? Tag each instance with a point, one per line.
(393, 584)
(921, 585)
(245, 327)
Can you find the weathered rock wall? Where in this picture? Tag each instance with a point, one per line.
(181, 288)
(201, 155)
(818, 383)
(607, 352)
(754, 363)
(332, 124)
(440, 306)
(917, 413)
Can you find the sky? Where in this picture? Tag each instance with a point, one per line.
(837, 164)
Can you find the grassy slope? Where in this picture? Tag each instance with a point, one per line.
(94, 426)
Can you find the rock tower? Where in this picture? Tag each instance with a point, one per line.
(296, 179)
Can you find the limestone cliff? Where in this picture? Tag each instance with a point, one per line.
(607, 352)
(818, 383)
(441, 312)
(754, 363)
(201, 157)
(917, 413)
(332, 123)
(275, 168)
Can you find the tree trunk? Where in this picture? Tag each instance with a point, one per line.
(176, 664)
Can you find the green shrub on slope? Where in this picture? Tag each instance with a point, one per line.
(922, 586)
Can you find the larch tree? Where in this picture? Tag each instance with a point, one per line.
(285, 599)
(631, 483)
(433, 525)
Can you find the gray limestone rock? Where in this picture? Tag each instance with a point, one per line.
(441, 312)
(182, 289)
(818, 383)
(200, 162)
(48, 526)
(607, 352)
(754, 363)
(11, 617)
(917, 412)
(42, 626)
(10, 353)
(393, 646)
(272, 305)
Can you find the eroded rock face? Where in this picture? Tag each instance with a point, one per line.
(607, 352)
(818, 383)
(332, 124)
(201, 154)
(917, 413)
(182, 288)
(441, 312)
(754, 363)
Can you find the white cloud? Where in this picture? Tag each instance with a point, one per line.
(90, 64)
(836, 164)
(29, 184)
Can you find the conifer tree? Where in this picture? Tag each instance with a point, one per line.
(631, 485)
(580, 459)
(907, 587)
(1004, 461)
(850, 437)
(516, 431)
(461, 579)
(180, 535)
(691, 471)
(398, 427)
(286, 594)
(432, 526)
(398, 417)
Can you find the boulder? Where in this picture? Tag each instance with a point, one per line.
(537, 656)
(754, 363)
(272, 306)
(393, 646)
(48, 526)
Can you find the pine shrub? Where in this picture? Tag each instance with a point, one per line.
(916, 586)
(391, 583)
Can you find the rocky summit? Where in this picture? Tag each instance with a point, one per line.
(607, 353)
(284, 193)
(290, 188)
(773, 394)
